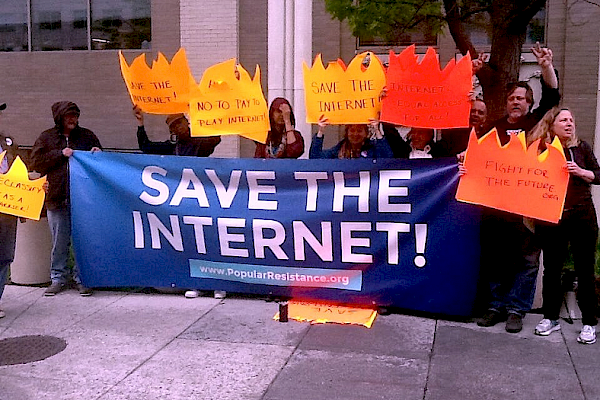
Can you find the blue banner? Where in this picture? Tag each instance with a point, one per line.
(386, 232)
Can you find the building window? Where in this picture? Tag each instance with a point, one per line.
(120, 24)
(479, 29)
(50, 25)
(54, 22)
(13, 26)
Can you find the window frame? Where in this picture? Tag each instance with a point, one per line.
(90, 48)
(422, 49)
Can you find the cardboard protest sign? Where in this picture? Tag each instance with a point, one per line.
(515, 178)
(316, 313)
(421, 95)
(20, 196)
(345, 95)
(162, 89)
(229, 102)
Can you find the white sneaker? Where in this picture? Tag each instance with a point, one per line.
(587, 335)
(546, 327)
(192, 294)
(2, 314)
(220, 294)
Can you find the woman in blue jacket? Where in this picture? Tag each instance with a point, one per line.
(358, 142)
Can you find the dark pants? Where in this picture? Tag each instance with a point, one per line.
(8, 235)
(510, 256)
(578, 227)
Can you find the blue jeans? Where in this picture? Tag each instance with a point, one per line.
(511, 259)
(60, 227)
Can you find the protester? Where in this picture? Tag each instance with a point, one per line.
(50, 156)
(8, 223)
(419, 142)
(181, 143)
(578, 228)
(509, 248)
(455, 141)
(283, 140)
(356, 142)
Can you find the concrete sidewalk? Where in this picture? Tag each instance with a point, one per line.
(126, 345)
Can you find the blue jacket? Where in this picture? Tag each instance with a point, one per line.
(375, 148)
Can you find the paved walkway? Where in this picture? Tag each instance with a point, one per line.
(126, 345)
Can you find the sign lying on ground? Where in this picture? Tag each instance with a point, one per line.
(317, 313)
(343, 231)
(515, 178)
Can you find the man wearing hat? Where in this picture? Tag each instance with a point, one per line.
(8, 223)
(50, 156)
(180, 144)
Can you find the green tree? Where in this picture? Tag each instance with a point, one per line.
(390, 19)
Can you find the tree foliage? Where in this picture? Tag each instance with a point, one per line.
(388, 19)
(506, 21)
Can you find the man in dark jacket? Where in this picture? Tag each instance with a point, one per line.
(50, 157)
(181, 142)
(8, 223)
(510, 250)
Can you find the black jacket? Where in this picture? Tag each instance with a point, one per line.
(550, 98)
(47, 159)
(194, 147)
(578, 191)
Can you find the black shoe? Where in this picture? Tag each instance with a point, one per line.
(514, 323)
(55, 288)
(84, 291)
(491, 318)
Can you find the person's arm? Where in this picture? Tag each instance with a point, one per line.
(543, 55)
(96, 146)
(148, 147)
(550, 94)
(382, 148)
(590, 171)
(289, 128)
(296, 148)
(45, 159)
(316, 147)
(316, 144)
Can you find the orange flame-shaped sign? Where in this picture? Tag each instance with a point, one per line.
(422, 95)
(515, 178)
(162, 89)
